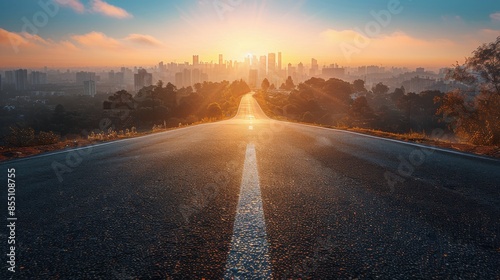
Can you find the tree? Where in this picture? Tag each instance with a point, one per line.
(380, 89)
(359, 86)
(265, 84)
(360, 108)
(214, 110)
(482, 70)
(289, 85)
(475, 118)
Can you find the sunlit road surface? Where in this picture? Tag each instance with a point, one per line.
(255, 198)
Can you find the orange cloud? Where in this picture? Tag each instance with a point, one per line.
(106, 9)
(76, 5)
(97, 40)
(144, 40)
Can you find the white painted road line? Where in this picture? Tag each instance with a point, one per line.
(249, 255)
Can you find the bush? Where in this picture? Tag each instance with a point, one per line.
(21, 137)
(47, 138)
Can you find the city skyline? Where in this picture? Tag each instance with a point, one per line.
(74, 33)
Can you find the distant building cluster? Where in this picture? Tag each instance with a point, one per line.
(253, 69)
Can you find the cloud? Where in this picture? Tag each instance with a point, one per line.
(144, 40)
(76, 5)
(101, 7)
(495, 16)
(97, 40)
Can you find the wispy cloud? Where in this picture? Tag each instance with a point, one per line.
(144, 40)
(495, 16)
(97, 40)
(76, 5)
(104, 8)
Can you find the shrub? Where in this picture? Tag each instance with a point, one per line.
(47, 138)
(21, 137)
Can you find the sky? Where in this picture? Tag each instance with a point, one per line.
(112, 33)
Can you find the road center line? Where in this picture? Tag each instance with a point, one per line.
(249, 255)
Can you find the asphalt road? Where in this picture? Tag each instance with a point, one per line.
(254, 198)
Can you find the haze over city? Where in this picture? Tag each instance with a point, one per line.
(128, 33)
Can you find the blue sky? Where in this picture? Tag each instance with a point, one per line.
(196, 26)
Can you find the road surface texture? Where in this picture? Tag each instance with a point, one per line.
(254, 198)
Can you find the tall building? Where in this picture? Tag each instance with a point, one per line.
(186, 75)
(291, 71)
(263, 67)
(179, 81)
(111, 76)
(38, 78)
(9, 78)
(89, 88)
(196, 76)
(119, 78)
(300, 72)
(142, 79)
(314, 68)
(21, 79)
(196, 60)
(84, 76)
(334, 71)
(221, 59)
(271, 64)
(279, 62)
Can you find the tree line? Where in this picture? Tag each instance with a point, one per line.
(157, 105)
(472, 115)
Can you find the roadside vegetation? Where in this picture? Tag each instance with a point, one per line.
(467, 119)
(78, 120)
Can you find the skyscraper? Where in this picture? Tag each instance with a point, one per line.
(279, 62)
(21, 79)
(195, 76)
(221, 59)
(186, 74)
(89, 88)
(9, 78)
(84, 76)
(196, 60)
(179, 81)
(314, 67)
(38, 78)
(262, 67)
(271, 64)
(142, 79)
